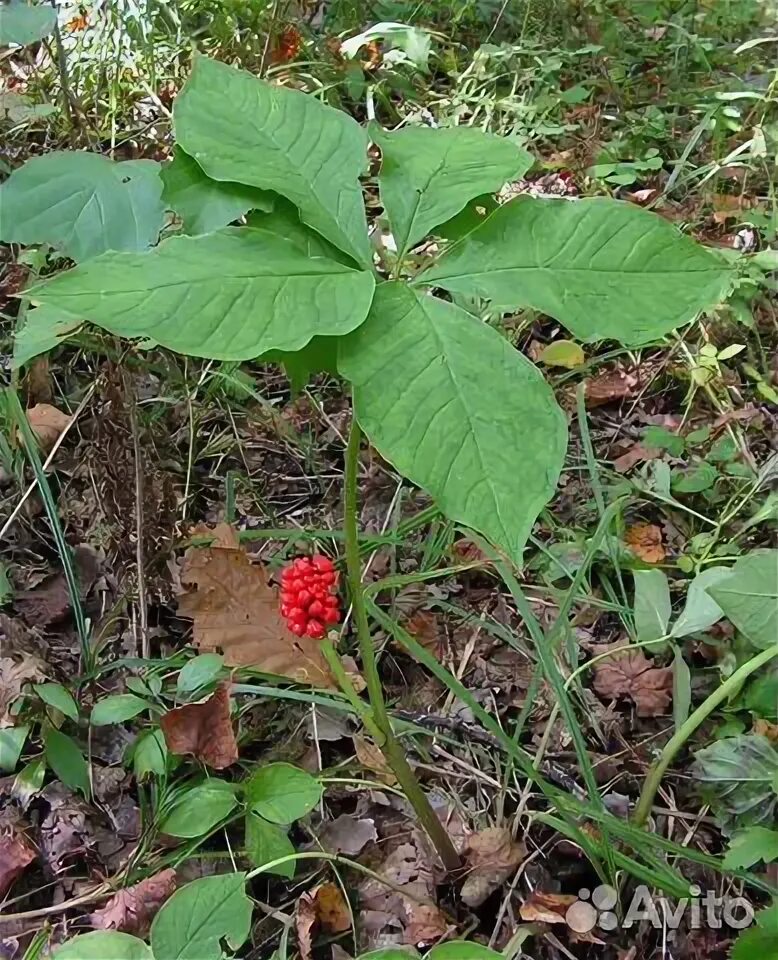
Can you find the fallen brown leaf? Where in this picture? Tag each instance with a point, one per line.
(47, 424)
(424, 923)
(49, 602)
(546, 907)
(131, 910)
(631, 674)
(609, 386)
(13, 676)
(637, 453)
(425, 628)
(491, 856)
(348, 835)
(371, 757)
(203, 729)
(645, 541)
(236, 610)
(323, 908)
(16, 854)
(764, 728)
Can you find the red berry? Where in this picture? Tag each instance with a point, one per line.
(304, 597)
(331, 601)
(331, 615)
(298, 629)
(322, 563)
(316, 609)
(315, 629)
(329, 577)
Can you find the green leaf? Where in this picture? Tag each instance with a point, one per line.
(231, 295)
(198, 809)
(204, 204)
(103, 945)
(117, 709)
(761, 696)
(563, 353)
(701, 610)
(266, 842)
(25, 23)
(198, 671)
(44, 328)
(282, 793)
(66, 760)
(318, 356)
(241, 129)
(83, 203)
(751, 846)
(695, 480)
(391, 953)
(458, 411)
(661, 439)
(682, 689)
(749, 596)
(11, 744)
(652, 604)
(429, 175)
(55, 695)
(735, 777)
(197, 917)
(460, 950)
(149, 754)
(603, 268)
(759, 942)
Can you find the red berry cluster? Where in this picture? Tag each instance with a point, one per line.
(308, 598)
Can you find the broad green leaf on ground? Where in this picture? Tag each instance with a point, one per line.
(44, 328)
(204, 204)
(749, 596)
(458, 411)
(23, 23)
(282, 793)
(244, 130)
(563, 353)
(736, 777)
(603, 268)
(66, 760)
(194, 921)
(266, 842)
(461, 950)
(284, 220)
(428, 175)
(149, 754)
(761, 695)
(11, 744)
(103, 945)
(117, 709)
(198, 671)
(652, 604)
(55, 695)
(83, 204)
(195, 811)
(751, 846)
(701, 610)
(759, 942)
(230, 295)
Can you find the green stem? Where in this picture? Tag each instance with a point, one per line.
(390, 747)
(684, 732)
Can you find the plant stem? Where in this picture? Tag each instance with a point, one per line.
(685, 731)
(394, 753)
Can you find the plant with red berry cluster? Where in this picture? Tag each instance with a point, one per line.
(309, 600)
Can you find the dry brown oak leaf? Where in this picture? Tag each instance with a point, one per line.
(133, 909)
(323, 908)
(491, 856)
(645, 541)
(630, 674)
(16, 854)
(236, 610)
(203, 729)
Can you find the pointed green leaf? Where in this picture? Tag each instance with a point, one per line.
(66, 760)
(11, 744)
(149, 754)
(751, 846)
(652, 604)
(22, 22)
(282, 793)
(204, 204)
(749, 596)
(429, 175)
(83, 203)
(267, 842)
(55, 695)
(194, 921)
(604, 268)
(44, 328)
(117, 709)
(230, 295)
(244, 130)
(196, 810)
(318, 356)
(103, 945)
(462, 950)
(197, 672)
(701, 610)
(457, 410)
